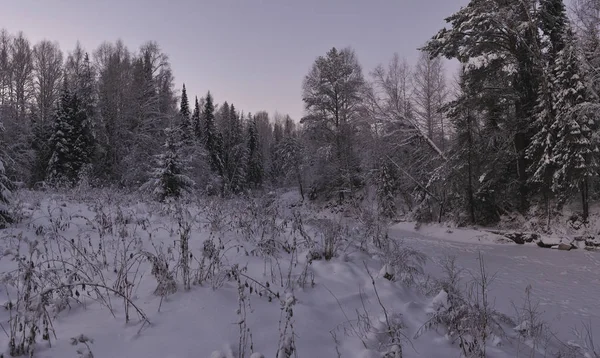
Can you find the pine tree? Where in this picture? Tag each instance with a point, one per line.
(236, 159)
(574, 153)
(541, 149)
(503, 73)
(168, 179)
(196, 120)
(187, 127)
(553, 20)
(212, 138)
(70, 141)
(254, 174)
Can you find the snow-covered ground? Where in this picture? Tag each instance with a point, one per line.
(567, 283)
(258, 283)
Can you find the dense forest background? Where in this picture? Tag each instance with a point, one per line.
(515, 131)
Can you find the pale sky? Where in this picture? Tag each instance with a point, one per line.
(252, 53)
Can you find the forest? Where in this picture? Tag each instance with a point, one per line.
(122, 193)
(515, 129)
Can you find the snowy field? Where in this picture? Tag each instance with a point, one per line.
(268, 277)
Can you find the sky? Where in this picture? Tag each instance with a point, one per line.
(252, 53)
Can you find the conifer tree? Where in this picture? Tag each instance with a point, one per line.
(187, 126)
(235, 150)
(574, 153)
(168, 179)
(254, 174)
(541, 149)
(196, 120)
(70, 141)
(184, 108)
(212, 138)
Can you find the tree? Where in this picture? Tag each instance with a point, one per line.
(429, 95)
(168, 180)
(120, 111)
(498, 42)
(196, 120)
(292, 156)
(576, 119)
(22, 74)
(5, 69)
(332, 95)
(6, 186)
(187, 126)
(254, 174)
(48, 72)
(212, 138)
(69, 141)
(553, 20)
(47, 66)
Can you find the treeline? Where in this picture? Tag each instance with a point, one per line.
(519, 133)
(517, 130)
(113, 117)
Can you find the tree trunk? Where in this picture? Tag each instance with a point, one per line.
(585, 199)
(520, 146)
(470, 169)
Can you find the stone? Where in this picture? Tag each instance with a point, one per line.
(565, 247)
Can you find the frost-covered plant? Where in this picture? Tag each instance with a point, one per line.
(128, 259)
(467, 316)
(184, 229)
(286, 347)
(402, 263)
(29, 317)
(390, 329)
(84, 350)
(211, 265)
(531, 327)
(583, 345)
(333, 235)
(162, 273)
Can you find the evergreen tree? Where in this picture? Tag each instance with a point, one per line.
(196, 120)
(574, 153)
(184, 108)
(212, 138)
(541, 149)
(236, 149)
(254, 174)
(70, 141)
(187, 126)
(503, 77)
(168, 179)
(553, 20)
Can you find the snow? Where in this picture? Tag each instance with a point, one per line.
(440, 302)
(341, 306)
(567, 301)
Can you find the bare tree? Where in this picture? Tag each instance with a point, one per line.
(47, 66)
(429, 95)
(22, 70)
(5, 68)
